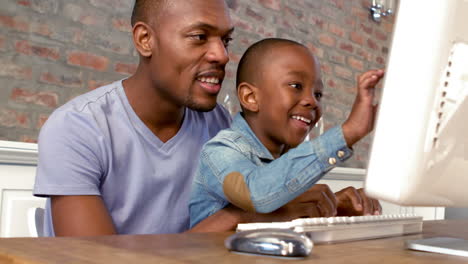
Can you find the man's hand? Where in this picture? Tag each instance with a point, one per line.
(356, 202)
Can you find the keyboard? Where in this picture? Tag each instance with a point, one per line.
(349, 228)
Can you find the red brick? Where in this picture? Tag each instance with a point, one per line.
(125, 68)
(338, 3)
(88, 60)
(315, 50)
(372, 44)
(43, 98)
(2, 42)
(8, 69)
(234, 57)
(326, 68)
(14, 23)
(41, 120)
(61, 80)
(41, 29)
(343, 72)
(356, 38)
(346, 47)
(366, 28)
(361, 13)
(28, 139)
(93, 84)
(364, 54)
(272, 4)
(255, 15)
(327, 40)
(337, 58)
(122, 25)
(12, 118)
(380, 60)
(242, 24)
(24, 2)
(380, 35)
(336, 29)
(317, 22)
(356, 64)
(27, 48)
(265, 32)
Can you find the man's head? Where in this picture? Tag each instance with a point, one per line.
(279, 87)
(183, 48)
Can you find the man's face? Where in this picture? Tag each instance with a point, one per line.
(191, 53)
(290, 92)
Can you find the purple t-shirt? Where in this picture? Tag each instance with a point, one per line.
(97, 145)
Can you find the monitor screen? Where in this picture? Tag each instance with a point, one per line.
(419, 153)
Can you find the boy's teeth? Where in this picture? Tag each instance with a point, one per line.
(213, 80)
(308, 121)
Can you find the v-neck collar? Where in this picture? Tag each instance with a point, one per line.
(146, 132)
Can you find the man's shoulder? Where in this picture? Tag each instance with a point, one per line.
(94, 97)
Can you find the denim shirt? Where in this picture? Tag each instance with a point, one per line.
(272, 182)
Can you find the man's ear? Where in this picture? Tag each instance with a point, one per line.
(248, 96)
(143, 38)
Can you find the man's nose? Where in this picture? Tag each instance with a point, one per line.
(218, 52)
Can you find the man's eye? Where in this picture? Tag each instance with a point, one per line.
(296, 85)
(226, 41)
(199, 37)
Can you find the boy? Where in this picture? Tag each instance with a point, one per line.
(260, 163)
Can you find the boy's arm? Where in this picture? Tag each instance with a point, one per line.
(234, 177)
(81, 215)
(316, 202)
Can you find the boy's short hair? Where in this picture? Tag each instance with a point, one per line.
(142, 7)
(251, 62)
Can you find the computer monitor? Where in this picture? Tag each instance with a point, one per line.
(419, 153)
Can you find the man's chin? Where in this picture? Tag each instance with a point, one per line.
(201, 107)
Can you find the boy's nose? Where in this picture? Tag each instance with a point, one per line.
(309, 100)
(218, 53)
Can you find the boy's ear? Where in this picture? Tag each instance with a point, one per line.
(143, 38)
(248, 96)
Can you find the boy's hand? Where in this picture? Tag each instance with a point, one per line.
(361, 119)
(356, 202)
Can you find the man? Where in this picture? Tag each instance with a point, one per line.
(120, 159)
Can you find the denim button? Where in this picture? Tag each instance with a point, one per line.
(340, 154)
(332, 161)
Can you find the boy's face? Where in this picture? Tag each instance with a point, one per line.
(191, 52)
(290, 97)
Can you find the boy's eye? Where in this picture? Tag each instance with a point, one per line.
(296, 85)
(318, 95)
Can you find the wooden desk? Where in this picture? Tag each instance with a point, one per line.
(209, 248)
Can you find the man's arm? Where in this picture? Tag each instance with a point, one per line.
(81, 215)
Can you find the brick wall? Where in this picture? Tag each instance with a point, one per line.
(51, 51)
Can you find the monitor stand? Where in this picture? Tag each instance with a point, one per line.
(443, 245)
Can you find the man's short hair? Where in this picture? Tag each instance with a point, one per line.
(142, 9)
(251, 62)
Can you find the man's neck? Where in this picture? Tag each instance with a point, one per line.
(160, 116)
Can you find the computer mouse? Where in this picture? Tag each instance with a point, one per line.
(270, 241)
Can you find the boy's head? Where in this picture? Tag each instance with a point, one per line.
(279, 86)
(183, 47)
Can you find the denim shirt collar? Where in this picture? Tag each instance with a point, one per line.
(240, 125)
